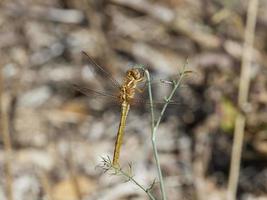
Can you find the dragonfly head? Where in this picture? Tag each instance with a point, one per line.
(134, 74)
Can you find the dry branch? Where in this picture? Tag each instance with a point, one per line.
(242, 99)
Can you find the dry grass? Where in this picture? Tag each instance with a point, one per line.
(242, 99)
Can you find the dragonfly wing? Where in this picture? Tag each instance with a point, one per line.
(100, 70)
(157, 102)
(90, 92)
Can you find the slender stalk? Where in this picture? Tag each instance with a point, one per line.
(156, 157)
(154, 127)
(242, 99)
(138, 184)
(150, 98)
(176, 85)
(108, 164)
(153, 137)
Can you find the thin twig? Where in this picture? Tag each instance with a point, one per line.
(138, 184)
(153, 137)
(107, 165)
(242, 99)
(154, 127)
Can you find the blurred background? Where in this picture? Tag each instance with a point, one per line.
(53, 137)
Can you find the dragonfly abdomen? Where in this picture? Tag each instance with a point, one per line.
(124, 112)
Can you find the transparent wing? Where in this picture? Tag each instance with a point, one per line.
(143, 97)
(94, 93)
(138, 101)
(100, 70)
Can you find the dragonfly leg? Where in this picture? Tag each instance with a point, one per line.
(140, 90)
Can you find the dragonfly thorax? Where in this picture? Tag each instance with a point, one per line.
(129, 86)
(134, 74)
(126, 94)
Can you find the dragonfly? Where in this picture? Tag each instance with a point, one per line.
(126, 97)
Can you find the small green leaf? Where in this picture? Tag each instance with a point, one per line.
(228, 115)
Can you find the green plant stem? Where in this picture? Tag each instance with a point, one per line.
(153, 138)
(138, 184)
(154, 127)
(108, 165)
(176, 85)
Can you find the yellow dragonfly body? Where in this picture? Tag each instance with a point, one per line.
(125, 97)
(127, 93)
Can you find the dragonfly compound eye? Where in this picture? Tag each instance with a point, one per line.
(135, 73)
